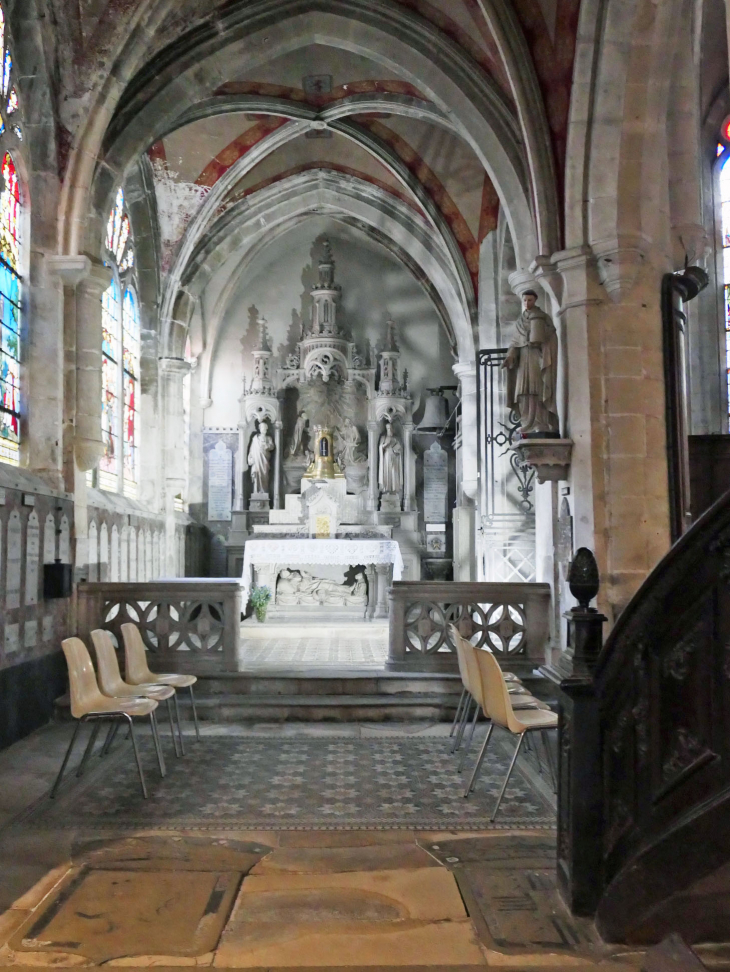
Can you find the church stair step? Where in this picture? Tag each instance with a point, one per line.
(259, 707)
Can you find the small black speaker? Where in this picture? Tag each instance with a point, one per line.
(56, 580)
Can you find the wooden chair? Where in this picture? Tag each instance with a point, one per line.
(138, 673)
(501, 712)
(112, 684)
(89, 705)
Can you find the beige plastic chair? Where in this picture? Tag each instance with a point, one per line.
(465, 700)
(467, 656)
(112, 684)
(88, 704)
(138, 673)
(501, 712)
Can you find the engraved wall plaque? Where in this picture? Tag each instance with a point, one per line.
(12, 638)
(435, 484)
(30, 634)
(104, 553)
(64, 541)
(49, 539)
(15, 557)
(220, 482)
(114, 562)
(32, 556)
(93, 552)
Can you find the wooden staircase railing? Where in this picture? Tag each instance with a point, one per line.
(644, 800)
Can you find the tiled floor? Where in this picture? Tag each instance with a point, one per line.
(356, 899)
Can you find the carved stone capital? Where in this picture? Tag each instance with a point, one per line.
(521, 280)
(550, 458)
(619, 261)
(69, 269)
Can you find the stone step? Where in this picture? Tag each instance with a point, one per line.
(308, 682)
(258, 707)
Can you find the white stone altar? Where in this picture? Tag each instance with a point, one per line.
(321, 597)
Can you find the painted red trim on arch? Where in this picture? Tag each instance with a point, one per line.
(319, 101)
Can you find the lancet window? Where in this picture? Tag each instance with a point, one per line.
(10, 258)
(119, 465)
(10, 306)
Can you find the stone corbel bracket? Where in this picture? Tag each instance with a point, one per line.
(550, 458)
(619, 261)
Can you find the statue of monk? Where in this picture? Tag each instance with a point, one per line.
(532, 369)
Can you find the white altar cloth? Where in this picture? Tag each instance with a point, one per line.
(310, 551)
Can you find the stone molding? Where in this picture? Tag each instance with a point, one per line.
(550, 458)
(71, 270)
(619, 261)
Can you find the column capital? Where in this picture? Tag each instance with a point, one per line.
(69, 269)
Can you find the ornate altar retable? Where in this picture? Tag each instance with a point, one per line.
(276, 561)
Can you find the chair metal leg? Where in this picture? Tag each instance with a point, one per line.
(110, 737)
(458, 711)
(548, 752)
(179, 726)
(462, 726)
(89, 747)
(466, 749)
(158, 745)
(195, 713)
(509, 773)
(480, 759)
(172, 727)
(136, 755)
(66, 759)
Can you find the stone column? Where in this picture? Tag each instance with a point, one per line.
(172, 372)
(277, 464)
(373, 429)
(88, 444)
(240, 469)
(409, 463)
(383, 574)
(467, 375)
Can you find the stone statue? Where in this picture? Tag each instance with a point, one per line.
(390, 469)
(258, 458)
(297, 442)
(298, 587)
(532, 369)
(348, 444)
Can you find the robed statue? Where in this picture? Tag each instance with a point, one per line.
(297, 442)
(532, 369)
(258, 458)
(390, 470)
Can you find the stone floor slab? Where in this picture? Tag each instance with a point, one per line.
(334, 860)
(101, 915)
(351, 944)
(165, 852)
(423, 894)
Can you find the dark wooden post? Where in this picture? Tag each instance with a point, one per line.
(580, 785)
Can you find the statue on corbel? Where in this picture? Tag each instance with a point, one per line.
(532, 371)
(390, 469)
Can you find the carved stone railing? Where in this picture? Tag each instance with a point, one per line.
(190, 625)
(644, 789)
(511, 619)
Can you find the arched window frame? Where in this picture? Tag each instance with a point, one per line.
(118, 470)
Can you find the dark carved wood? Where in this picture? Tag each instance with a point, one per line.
(662, 682)
(709, 471)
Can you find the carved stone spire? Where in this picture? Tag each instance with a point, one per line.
(325, 296)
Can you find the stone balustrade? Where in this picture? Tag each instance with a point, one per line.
(189, 625)
(511, 619)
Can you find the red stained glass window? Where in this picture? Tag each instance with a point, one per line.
(10, 294)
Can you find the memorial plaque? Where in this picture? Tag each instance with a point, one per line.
(32, 556)
(435, 484)
(30, 634)
(15, 557)
(47, 629)
(220, 485)
(49, 540)
(12, 638)
(64, 541)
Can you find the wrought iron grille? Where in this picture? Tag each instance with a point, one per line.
(496, 432)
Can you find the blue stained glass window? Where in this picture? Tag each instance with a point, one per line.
(10, 295)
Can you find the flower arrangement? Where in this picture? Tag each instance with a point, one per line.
(260, 597)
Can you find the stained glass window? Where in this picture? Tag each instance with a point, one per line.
(9, 314)
(118, 467)
(12, 102)
(110, 360)
(9, 92)
(130, 340)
